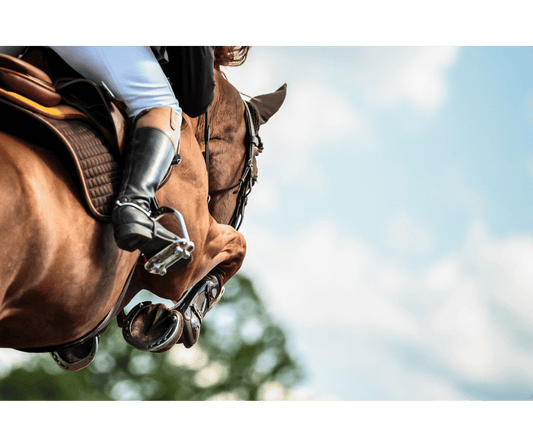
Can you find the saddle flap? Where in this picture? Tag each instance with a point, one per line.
(79, 146)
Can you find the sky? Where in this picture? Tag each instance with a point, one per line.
(390, 232)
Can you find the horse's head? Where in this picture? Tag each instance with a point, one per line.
(233, 146)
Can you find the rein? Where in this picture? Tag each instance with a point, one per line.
(247, 180)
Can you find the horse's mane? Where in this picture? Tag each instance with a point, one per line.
(230, 56)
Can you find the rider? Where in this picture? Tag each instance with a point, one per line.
(135, 75)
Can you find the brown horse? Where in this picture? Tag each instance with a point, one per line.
(62, 273)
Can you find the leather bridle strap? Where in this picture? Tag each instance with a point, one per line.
(207, 136)
(246, 181)
(253, 139)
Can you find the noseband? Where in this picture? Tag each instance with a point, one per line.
(254, 146)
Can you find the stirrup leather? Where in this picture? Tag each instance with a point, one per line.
(181, 248)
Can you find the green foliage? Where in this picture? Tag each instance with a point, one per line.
(241, 355)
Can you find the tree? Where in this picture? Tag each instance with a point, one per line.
(241, 355)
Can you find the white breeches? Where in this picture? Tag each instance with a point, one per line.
(132, 74)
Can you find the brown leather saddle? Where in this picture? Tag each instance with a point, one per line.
(70, 116)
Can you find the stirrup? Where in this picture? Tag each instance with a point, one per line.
(180, 249)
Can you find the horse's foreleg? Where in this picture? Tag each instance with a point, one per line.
(223, 253)
(222, 256)
(193, 289)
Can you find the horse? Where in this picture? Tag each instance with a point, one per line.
(62, 277)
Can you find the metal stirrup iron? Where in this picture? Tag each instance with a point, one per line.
(181, 248)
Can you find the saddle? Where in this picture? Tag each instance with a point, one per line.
(72, 117)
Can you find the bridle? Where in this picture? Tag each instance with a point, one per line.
(254, 146)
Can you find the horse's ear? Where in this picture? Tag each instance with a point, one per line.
(270, 103)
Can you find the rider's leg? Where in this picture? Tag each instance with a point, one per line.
(131, 73)
(135, 77)
(152, 147)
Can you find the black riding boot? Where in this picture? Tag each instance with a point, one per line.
(149, 157)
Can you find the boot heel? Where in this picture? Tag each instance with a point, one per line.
(131, 237)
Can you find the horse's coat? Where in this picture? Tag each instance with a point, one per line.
(61, 271)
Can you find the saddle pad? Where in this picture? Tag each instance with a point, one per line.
(95, 165)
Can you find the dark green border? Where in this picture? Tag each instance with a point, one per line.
(301, 23)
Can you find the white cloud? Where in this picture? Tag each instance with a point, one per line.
(258, 75)
(265, 195)
(316, 118)
(321, 269)
(313, 120)
(449, 315)
(413, 75)
(463, 318)
(322, 116)
(406, 235)
(387, 76)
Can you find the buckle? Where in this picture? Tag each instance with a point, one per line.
(181, 248)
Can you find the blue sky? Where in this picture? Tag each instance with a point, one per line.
(390, 231)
